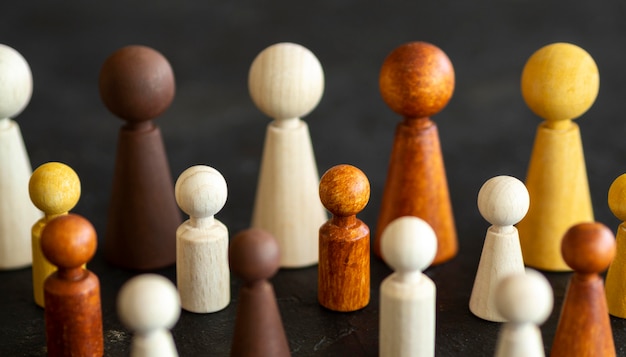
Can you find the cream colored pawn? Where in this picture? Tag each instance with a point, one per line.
(502, 201)
(286, 82)
(17, 213)
(615, 283)
(149, 306)
(407, 297)
(54, 188)
(526, 301)
(202, 271)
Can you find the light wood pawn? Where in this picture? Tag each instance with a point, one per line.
(525, 300)
(502, 201)
(17, 213)
(559, 83)
(407, 297)
(54, 188)
(149, 306)
(202, 272)
(615, 283)
(286, 82)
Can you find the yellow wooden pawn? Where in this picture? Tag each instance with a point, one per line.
(54, 188)
(559, 83)
(615, 285)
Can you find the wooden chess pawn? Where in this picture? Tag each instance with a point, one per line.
(502, 201)
(286, 82)
(149, 306)
(344, 241)
(417, 81)
(615, 282)
(72, 294)
(137, 85)
(55, 189)
(254, 257)
(525, 300)
(17, 213)
(584, 327)
(559, 83)
(202, 273)
(407, 297)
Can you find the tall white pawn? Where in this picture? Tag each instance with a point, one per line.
(202, 271)
(17, 212)
(286, 82)
(526, 301)
(503, 201)
(149, 306)
(407, 297)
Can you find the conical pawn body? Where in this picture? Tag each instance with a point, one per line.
(615, 283)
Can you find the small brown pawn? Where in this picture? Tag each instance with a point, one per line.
(417, 81)
(72, 294)
(137, 85)
(254, 256)
(344, 245)
(584, 327)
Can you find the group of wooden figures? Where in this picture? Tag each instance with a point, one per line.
(290, 227)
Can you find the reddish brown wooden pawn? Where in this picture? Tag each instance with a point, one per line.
(72, 294)
(254, 256)
(584, 327)
(417, 81)
(344, 246)
(137, 85)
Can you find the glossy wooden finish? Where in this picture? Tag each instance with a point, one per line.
(615, 282)
(72, 294)
(417, 81)
(344, 241)
(137, 85)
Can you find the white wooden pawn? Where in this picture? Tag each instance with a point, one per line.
(503, 201)
(202, 270)
(407, 297)
(149, 306)
(286, 82)
(17, 213)
(526, 301)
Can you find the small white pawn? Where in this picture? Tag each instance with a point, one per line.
(407, 297)
(202, 271)
(149, 306)
(503, 201)
(526, 301)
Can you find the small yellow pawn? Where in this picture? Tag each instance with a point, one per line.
(559, 83)
(615, 284)
(54, 188)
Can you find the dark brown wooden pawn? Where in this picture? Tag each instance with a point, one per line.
(137, 85)
(344, 244)
(584, 327)
(417, 81)
(73, 313)
(254, 257)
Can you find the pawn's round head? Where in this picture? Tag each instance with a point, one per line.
(344, 190)
(560, 81)
(588, 248)
(286, 81)
(503, 200)
(201, 191)
(16, 82)
(524, 297)
(417, 80)
(408, 244)
(137, 83)
(54, 188)
(617, 197)
(148, 302)
(254, 255)
(68, 241)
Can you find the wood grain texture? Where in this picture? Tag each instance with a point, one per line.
(615, 282)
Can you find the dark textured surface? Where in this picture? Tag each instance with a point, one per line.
(485, 130)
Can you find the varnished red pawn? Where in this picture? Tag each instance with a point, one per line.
(417, 81)
(584, 328)
(254, 257)
(137, 85)
(344, 241)
(73, 313)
